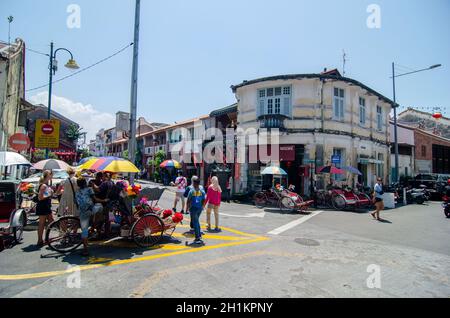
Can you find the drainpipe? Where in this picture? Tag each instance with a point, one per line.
(322, 111)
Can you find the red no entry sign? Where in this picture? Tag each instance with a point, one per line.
(19, 142)
(47, 129)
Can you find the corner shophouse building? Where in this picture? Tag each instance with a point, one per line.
(318, 116)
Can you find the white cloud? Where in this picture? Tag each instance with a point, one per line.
(90, 119)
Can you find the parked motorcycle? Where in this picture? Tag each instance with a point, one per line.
(415, 196)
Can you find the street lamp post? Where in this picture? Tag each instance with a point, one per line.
(53, 67)
(396, 170)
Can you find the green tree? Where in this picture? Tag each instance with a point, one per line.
(160, 156)
(74, 133)
(39, 155)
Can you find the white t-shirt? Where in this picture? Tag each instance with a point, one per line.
(181, 183)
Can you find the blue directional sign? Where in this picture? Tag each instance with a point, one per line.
(335, 159)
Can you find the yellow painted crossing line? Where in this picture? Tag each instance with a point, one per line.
(127, 261)
(245, 238)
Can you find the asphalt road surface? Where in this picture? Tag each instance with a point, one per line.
(259, 253)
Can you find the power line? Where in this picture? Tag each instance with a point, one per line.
(83, 69)
(37, 52)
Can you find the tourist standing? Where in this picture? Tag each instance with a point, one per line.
(213, 198)
(195, 204)
(44, 204)
(67, 190)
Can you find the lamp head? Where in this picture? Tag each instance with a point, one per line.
(435, 66)
(72, 64)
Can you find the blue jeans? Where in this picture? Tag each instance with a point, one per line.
(195, 221)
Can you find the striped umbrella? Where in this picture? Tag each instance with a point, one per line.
(110, 164)
(51, 164)
(85, 160)
(170, 164)
(274, 170)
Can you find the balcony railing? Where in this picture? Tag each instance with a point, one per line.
(272, 121)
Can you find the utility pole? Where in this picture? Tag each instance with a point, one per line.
(395, 126)
(134, 82)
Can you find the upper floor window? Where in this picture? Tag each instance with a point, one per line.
(379, 118)
(362, 111)
(424, 151)
(274, 100)
(338, 104)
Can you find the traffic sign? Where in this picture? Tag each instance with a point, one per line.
(47, 133)
(19, 142)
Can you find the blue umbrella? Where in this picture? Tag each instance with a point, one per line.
(352, 170)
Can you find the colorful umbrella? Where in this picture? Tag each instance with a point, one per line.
(274, 170)
(110, 164)
(331, 169)
(170, 164)
(85, 160)
(51, 164)
(352, 170)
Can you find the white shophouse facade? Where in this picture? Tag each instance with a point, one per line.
(319, 115)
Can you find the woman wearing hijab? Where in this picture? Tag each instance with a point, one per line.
(213, 198)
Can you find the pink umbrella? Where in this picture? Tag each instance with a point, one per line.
(331, 170)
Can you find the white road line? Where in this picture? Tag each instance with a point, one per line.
(290, 225)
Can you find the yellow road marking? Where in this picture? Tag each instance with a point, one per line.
(215, 237)
(128, 261)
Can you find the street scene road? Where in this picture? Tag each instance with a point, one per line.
(259, 253)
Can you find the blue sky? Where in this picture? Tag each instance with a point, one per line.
(192, 51)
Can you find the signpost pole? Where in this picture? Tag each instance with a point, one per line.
(50, 91)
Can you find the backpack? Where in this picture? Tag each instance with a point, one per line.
(186, 191)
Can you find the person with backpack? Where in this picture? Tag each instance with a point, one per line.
(195, 205)
(86, 200)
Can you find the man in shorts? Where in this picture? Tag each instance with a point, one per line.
(181, 184)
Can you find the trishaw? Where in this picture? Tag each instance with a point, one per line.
(145, 225)
(282, 198)
(12, 218)
(342, 199)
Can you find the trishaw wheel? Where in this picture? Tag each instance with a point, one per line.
(338, 202)
(18, 230)
(287, 203)
(64, 235)
(147, 230)
(260, 200)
